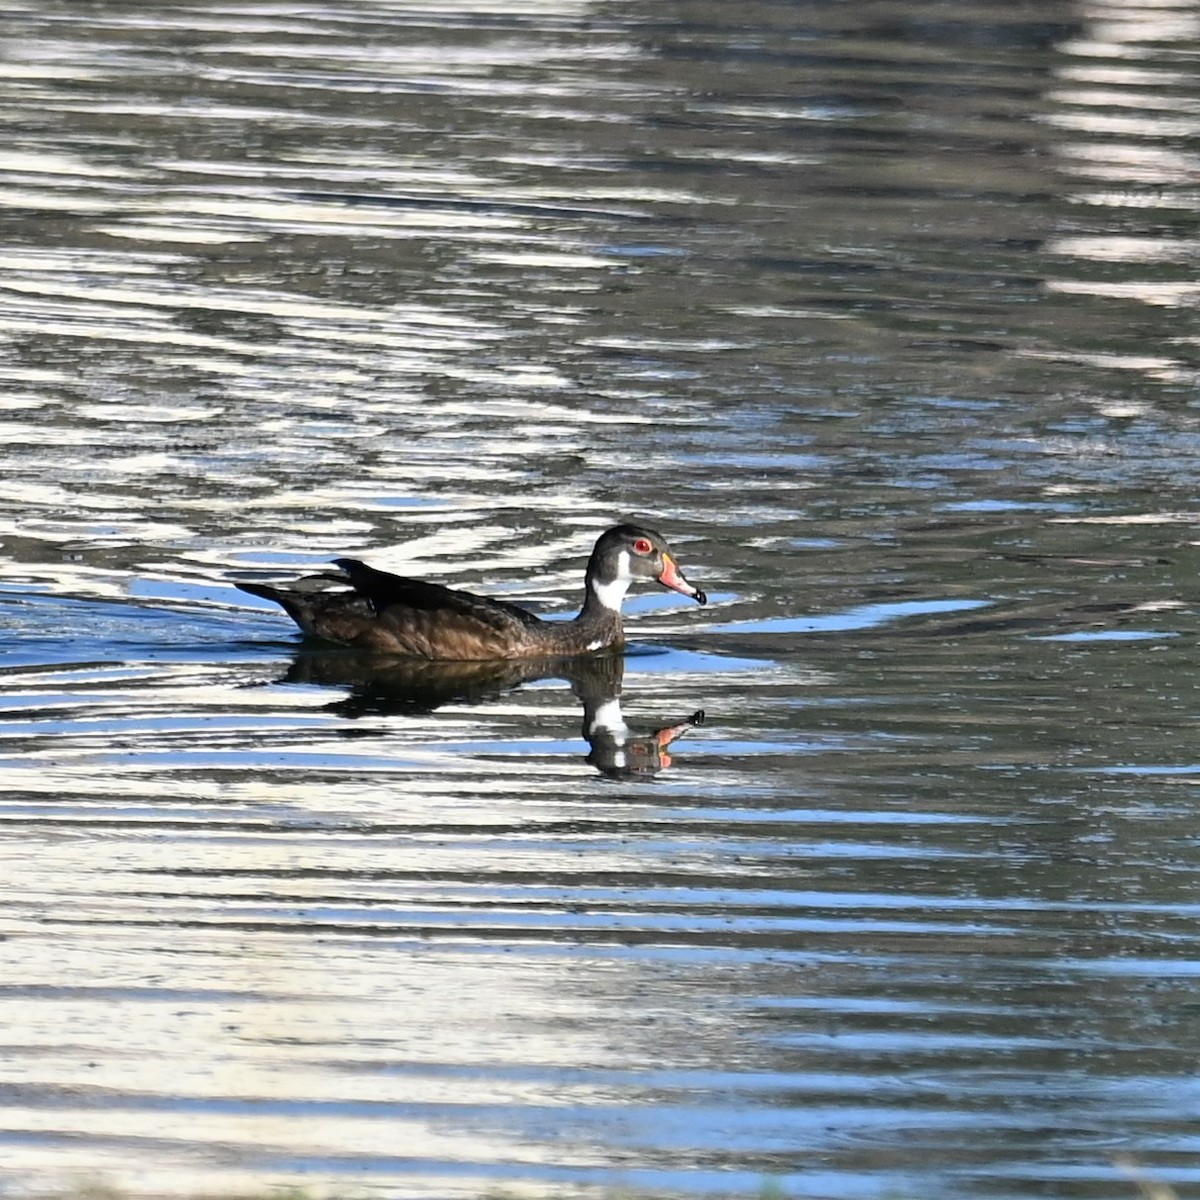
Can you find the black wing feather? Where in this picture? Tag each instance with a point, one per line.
(384, 590)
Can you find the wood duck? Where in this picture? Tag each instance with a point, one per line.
(391, 614)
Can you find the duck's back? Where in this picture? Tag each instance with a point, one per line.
(416, 617)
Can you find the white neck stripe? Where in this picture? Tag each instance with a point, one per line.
(612, 594)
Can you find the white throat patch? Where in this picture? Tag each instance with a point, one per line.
(608, 718)
(612, 594)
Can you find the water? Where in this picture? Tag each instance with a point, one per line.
(885, 314)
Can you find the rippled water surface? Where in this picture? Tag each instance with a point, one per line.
(885, 313)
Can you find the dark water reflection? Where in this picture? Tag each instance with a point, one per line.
(885, 314)
(379, 685)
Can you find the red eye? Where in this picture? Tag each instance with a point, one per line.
(642, 546)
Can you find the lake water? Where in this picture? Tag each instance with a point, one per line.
(886, 314)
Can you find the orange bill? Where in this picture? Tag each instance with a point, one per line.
(672, 577)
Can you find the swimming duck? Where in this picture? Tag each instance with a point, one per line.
(392, 614)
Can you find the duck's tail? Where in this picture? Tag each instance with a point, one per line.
(296, 606)
(265, 590)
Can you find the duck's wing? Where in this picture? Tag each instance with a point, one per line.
(391, 614)
(414, 616)
(385, 590)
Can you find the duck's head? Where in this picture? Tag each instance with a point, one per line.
(629, 552)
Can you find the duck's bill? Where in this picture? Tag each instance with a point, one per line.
(672, 577)
(666, 736)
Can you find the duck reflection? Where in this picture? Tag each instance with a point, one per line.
(616, 750)
(380, 686)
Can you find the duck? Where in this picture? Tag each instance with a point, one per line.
(375, 611)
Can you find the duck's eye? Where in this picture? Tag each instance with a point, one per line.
(642, 546)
